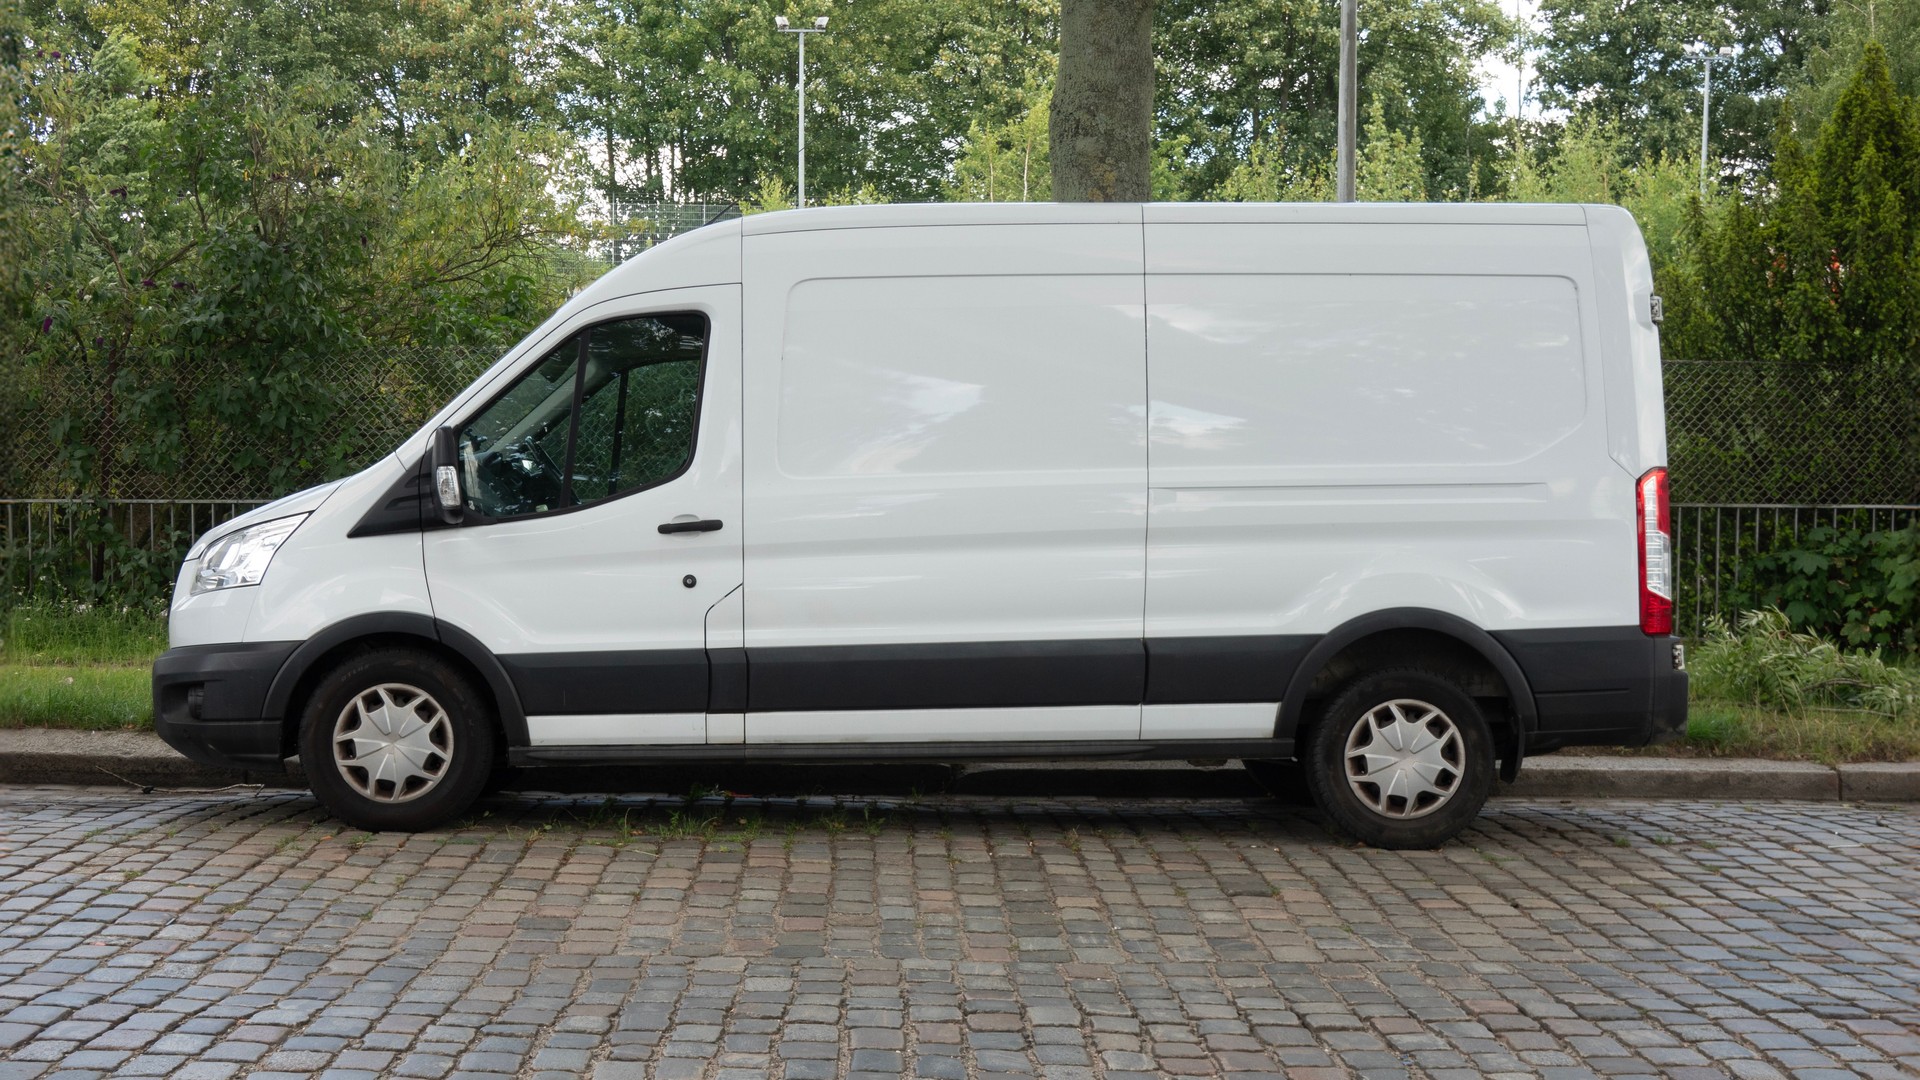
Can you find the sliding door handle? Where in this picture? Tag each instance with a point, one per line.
(703, 525)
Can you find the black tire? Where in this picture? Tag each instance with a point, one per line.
(452, 749)
(1284, 781)
(1463, 769)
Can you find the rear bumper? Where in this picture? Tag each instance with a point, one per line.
(209, 702)
(1669, 694)
(1603, 686)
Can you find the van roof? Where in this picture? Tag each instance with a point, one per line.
(903, 214)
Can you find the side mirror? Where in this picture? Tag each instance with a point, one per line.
(445, 460)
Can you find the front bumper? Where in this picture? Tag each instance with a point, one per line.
(209, 703)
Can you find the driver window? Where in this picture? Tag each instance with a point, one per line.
(610, 410)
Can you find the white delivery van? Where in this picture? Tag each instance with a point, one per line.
(1373, 489)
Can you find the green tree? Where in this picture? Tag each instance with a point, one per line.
(698, 100)
(1629, 65)
(203, 247)
(1819, 274)
(1830, 64)
(1008, 163)
(1237, 74)
(1266, 176)
(1389, 167)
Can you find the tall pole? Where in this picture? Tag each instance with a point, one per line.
(1706, 105)
(803, 122)
(819, 27)
(1349, 97)
(1520, 75)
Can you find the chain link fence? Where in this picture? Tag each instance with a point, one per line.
(355, 406)
(1791, 434)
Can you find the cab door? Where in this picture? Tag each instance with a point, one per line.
(603, 519)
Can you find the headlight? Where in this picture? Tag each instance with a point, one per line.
(241, 558)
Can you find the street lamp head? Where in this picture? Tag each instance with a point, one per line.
(1726, 50)
(820, 23)
(780, 22)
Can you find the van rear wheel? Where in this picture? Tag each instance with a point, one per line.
(397, 739)
(1401, 759)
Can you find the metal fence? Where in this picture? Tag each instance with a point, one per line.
(1793, 434)
(55, 547)
(1715, 546)
(354, 407)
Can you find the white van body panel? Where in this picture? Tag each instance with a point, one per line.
(618, 729)
(321, 579)
(1636, 394)
(1209, 720)
(1358, 416)
(601, 578)
(965, 216)
(328, 576)
(945, 435)
(947, 444)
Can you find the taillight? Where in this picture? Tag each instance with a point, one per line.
(1656, 553)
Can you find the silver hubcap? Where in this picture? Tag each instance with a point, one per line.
(393, 743)
(1404, 759)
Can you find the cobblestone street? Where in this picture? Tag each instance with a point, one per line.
(227, 934)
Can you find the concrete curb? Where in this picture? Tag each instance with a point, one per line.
(140, 759)
(1557, 777)
(136, 758)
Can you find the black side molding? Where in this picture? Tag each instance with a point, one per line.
(953, 675)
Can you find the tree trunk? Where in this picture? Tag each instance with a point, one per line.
(1101, 126)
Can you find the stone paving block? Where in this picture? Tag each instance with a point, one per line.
(955, 937)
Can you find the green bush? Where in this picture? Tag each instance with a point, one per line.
(1765, 661)
(1862, 588)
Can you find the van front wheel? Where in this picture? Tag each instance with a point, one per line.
(1401, 759)
(395, 739)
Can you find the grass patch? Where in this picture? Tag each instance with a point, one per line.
(49, 635)
(100, 698)
(1828, 736)
(83, 668)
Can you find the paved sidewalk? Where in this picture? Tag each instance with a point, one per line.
(215, 935)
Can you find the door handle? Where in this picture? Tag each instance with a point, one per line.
(703, 525)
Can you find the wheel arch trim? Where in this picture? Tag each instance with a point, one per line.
(1519, 692)
(513, 719)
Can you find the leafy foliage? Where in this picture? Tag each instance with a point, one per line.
(1862, 588)
(1818, 273)
(1007, 163)
(1630, 65)
(1253, 77)
(236, 210)
(1765, 661)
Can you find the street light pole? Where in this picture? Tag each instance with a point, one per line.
(1706, 104)
(1349, 100)
(819, 27)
